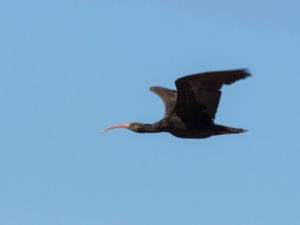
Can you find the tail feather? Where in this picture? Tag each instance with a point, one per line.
(236, 130)
(228, 130)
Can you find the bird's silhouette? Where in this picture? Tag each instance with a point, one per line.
(190, 111)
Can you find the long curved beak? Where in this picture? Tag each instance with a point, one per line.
(118, 126)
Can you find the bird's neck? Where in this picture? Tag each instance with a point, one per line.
(149, 128)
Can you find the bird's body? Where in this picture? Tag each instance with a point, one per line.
(190, 111)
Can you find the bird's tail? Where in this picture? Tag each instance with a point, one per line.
(228, 130)
(236, 130)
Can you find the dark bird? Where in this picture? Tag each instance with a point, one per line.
(190, 112)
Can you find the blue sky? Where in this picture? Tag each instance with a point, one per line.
(69, 69)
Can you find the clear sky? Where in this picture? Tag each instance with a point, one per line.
(69, 69)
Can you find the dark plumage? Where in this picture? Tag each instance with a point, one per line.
(190, 112)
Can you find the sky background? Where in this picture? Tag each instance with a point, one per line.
(69, 69)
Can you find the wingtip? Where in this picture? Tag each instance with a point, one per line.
(152, 88)
(240, 74)
(244, 130)
(155, 88)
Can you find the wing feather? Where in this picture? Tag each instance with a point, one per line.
(167, 96)
(198, 95)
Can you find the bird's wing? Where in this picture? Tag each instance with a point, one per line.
(198, 95)
(167, 96)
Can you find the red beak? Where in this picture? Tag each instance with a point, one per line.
(118, 126)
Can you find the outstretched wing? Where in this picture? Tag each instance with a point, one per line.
(167, 96)
(198, 95)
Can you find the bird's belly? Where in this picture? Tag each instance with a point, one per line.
(181, 129)
(191, 133)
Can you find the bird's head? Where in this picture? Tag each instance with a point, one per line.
(136, 127)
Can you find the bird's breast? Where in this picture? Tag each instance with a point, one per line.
(182, 129)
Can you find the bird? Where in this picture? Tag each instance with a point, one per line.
(190, 110)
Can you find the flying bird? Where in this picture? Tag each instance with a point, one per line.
(190, 111)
